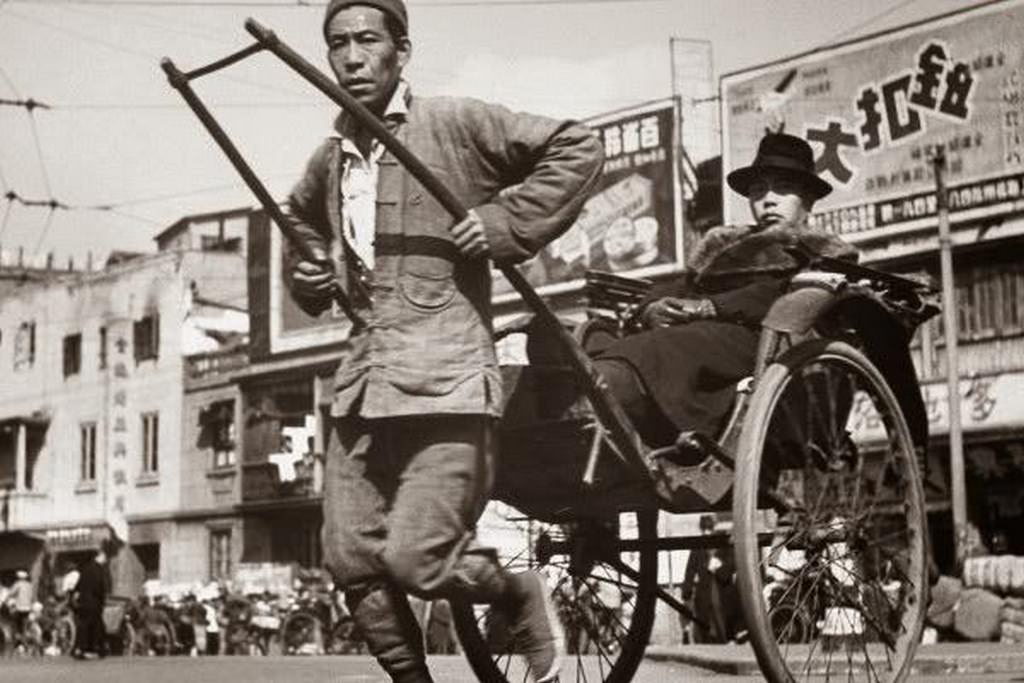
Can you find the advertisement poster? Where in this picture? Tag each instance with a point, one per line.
(290, 327)
(630, 226)
(874, 111)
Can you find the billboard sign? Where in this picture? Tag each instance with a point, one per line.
(875, 109)
(290, 327)
(631, 224)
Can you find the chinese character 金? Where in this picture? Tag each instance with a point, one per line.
(870, 129)
(930, 66)
(833, 137)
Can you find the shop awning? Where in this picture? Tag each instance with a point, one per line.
(19, 550)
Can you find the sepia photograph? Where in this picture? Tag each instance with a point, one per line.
(511, 341)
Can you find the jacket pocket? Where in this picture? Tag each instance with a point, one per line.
(427, 282)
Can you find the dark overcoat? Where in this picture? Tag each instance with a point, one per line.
(691, 370)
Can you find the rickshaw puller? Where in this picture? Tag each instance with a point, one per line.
(411, 447)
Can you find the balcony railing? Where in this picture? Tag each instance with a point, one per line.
(23, 509)
(261, 482)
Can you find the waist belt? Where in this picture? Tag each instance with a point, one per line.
(391, 244)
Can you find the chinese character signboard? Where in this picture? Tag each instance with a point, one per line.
(116, 513)
(874, 111)
(631, 223)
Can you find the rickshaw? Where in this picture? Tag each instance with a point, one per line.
(818, 463)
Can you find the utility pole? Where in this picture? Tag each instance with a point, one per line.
(949, 320)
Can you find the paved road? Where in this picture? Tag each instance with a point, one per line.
(322, 669)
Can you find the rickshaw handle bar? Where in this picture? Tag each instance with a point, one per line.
(226, 61)
(180, 81)
(607, 410)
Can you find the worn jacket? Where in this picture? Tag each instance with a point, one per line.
(427, 346)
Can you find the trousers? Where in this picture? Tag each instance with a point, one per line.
(401, 500)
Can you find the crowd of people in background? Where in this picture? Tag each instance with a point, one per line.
(80, 618)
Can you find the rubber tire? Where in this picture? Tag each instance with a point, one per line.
(769, 389)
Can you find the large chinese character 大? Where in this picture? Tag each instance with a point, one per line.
(833, 137)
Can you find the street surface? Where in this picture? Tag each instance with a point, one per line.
(322, 669)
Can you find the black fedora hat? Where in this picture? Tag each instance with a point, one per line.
(787, 154)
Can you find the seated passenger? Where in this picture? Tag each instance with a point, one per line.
(703, 328)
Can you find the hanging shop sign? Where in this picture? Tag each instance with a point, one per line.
(874, 110)
(632, 223)
(987, 403)
(73, 538)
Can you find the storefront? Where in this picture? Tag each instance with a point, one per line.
(20, 550)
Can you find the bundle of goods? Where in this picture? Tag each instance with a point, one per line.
(1000, 614)
(1011, 627)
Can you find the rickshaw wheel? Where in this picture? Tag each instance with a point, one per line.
(603, 595)
(827, 471)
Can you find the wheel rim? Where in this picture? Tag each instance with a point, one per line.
(301, 629)
(602, 597)
(847, 558)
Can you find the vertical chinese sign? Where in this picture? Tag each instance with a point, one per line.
(117, 485)
(632, 223)
(875, 109)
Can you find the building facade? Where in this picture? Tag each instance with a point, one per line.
(95, 412)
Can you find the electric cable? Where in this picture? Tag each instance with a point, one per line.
(39, 153)
(7, 215)
(44, 232)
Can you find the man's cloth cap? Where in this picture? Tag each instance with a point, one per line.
(787, 154)
(394, 8)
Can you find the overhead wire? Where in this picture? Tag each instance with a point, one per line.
(148, 56)
(45, 231)
(7, 216)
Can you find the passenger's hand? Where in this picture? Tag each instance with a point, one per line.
(470, 237)
(313, 279)
(671, 310)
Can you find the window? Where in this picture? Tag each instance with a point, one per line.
(103, 348)
(146, 333)
(149, 558)
(221, 423)
(220, 554)
(219, 243)
(25, 346)
(87, 470)
(72, 354)
(989, 303)
(150, 443)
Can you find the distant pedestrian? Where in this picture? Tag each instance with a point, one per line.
(89, 597)
(21, 597)
(212, 614)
